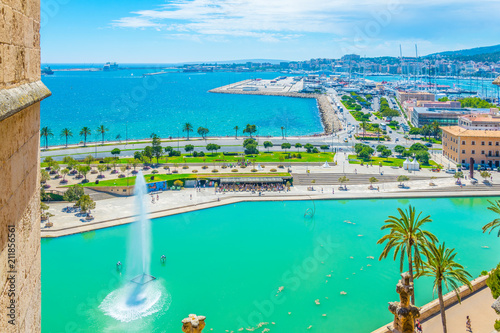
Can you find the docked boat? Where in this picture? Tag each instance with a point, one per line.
(47, 71)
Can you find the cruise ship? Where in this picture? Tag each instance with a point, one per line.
(47, 71)
(110, 66)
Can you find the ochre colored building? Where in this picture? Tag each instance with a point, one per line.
(472, 140)
(20, 94)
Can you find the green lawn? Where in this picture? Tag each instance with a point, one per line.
(220, 158)
(163, 177)
(391, 161)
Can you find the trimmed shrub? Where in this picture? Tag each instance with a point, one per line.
(281, 166)
(273, 170)
(254, 170)
(155, 172)
(204, 167)
(175, 171)
(215, 170)
(185, 167)
(194, 171)
(234, 170)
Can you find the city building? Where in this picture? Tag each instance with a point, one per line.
(460, 145)
(420, 116)
(419, 96)
(486, 122)
(21, 91)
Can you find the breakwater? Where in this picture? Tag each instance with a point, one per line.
(327, 114)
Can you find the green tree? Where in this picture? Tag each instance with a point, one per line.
(485, 175)
(372, 180)
(203, 132)
(115, 152)
(236, 128)
(441, 266)
(249, 141)
(298, 146)
(407, 238)
(85, 131)
(213, 147)
(399, 149)
(73, 193)
(495, 207)
(102, 130)
(423, 157)
(343, 180)
(101, 168)
(418, 147)
(381, 148)
(268, 144)
(148, 153)
(324, 147)
(386, 153)
(84, 170)
(64, 172)
(493, 282)
(188, 148)
(44, 176)
(85, 203)
(250, 129)
(366, 153)
(285, 146)
(156, 148)
(66, 133)
(187, 128)
(309, 147)
(251, 149)
(414, 131)
(46, 132)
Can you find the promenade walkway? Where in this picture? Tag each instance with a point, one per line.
(476, 306)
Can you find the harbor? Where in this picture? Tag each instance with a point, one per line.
(287, 87)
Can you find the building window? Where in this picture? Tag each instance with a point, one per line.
(463, 151)
(463, 161)
(473, 143)
(482, 152)
(463, 142)
(496, 153)
(490, 153)
(482, 143)
(497, 143)
(482, 162)
(473, 152)
(490, 143)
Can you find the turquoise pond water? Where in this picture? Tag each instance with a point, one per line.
(134, 107)
(227, 263)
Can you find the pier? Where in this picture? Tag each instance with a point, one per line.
(286, 88)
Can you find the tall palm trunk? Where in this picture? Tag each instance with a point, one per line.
(46, 142)
(441, 306)
(410, 270)
(236, 135)
(66, 141)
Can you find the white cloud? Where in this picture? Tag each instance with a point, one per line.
(280, 20)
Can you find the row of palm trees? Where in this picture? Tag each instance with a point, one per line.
(46, 132)
(249, 129)
(424, 255)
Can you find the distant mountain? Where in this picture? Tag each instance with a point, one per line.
(468, 52)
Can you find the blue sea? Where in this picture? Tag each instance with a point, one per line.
(132, 106)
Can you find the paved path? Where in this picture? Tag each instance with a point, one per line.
(477, 307)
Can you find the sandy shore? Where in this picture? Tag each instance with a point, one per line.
(329, 119)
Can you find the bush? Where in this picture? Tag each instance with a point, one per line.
(215, 170)
(204, 167)
(493, 282)
(154, 172)
(175, 171)
(201, 154)
(281, 166)
(299, 155)
(273, 170)
(185, 167)
(234, 170)
(194, 171)
(497, 325)
(224, 167)
(178, 183)
(195, 154)
(254, 170)
(243, 166)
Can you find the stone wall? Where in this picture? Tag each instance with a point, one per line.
(20, 94)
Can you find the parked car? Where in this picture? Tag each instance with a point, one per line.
(452, 171)
(397, 139)
(428, 144)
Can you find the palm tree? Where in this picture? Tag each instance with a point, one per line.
(66, 132)
(441, 266)
(85, 132)
(236, 128)
(46, 132)
(378, 131)
(187, 128)
(282, 135)
(407, 237)
(495, 207)
(102, 130)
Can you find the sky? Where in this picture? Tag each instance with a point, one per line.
(175, 31)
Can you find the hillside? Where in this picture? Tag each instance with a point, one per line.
(468, 52)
